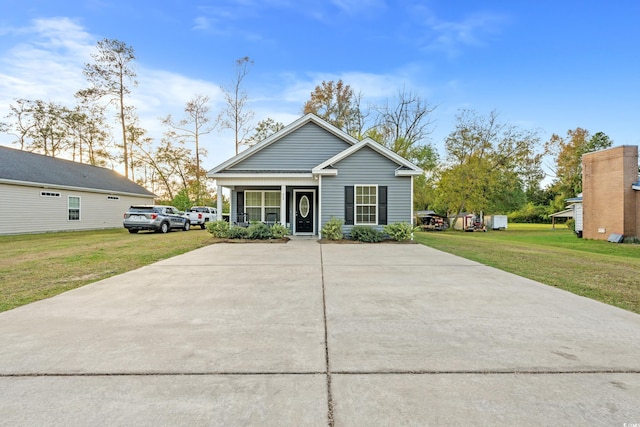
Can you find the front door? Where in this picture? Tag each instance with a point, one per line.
(304, 211)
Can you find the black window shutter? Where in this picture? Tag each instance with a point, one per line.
(382, 205)
(240, 205)
(348, 205)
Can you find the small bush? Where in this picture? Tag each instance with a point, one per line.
(258, 231)
(365, 234)
(399, 231)
(236, 232)
(278, 231)
(332, 230)
(219, 229)
(571, 224)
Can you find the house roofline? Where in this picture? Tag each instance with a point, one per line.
(72, 188)
(307, 118)
(260, 175)
(412, 170)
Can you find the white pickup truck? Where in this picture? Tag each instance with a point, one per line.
(200, 215)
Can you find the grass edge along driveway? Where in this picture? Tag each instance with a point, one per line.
(38, 266)
(599, 270)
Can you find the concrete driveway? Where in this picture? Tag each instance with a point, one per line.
(304, 334)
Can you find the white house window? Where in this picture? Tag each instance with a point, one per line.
(113, 198)
(262, 205)
(74, 208)
(49, 194)
(366, 204)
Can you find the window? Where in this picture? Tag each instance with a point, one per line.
(74, 208)
(366, 204)
(262, 204)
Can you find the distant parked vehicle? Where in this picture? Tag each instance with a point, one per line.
(158, 218)
(200, 215)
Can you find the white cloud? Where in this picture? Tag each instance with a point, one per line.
(451, 37)
(47, 64)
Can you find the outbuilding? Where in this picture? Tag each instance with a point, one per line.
(44, 194)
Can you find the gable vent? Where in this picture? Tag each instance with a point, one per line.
(49, 194)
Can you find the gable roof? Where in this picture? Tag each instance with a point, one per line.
(297, 124)
(405, 167)
(26, 168)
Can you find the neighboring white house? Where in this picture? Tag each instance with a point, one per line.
(44, 194)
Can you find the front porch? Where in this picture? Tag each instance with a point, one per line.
(295, 206)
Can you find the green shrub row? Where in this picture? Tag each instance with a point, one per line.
(399, 231)
(255, 231)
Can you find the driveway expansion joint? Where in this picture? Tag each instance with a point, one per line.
(330, 419)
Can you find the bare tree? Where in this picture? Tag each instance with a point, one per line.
(237, 116)
(196, 123)
(407, 119)
(21, 127)
(109, 76)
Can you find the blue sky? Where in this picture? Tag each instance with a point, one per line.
(546, 64)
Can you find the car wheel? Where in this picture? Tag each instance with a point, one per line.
(164, 227)
(203, 225)
(187, 226)
(133, 231)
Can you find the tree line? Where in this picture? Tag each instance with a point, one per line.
(487, 166)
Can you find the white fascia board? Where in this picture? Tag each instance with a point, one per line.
(408, 172)
(72, 188)
(368, 142)
(326, 172)
(280, 134)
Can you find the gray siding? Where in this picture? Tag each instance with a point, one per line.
(369, 168)
(24, 210)
(300, 150)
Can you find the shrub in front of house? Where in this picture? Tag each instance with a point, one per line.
(399, 231)
(332, 230)
(365, 234)
(219, 229)
(278, 231)
(258, 231)
(236, 232)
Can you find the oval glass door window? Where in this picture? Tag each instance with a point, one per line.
(304, 206)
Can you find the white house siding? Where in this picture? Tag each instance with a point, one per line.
(366, 167)
(300, 150)
(24, 210)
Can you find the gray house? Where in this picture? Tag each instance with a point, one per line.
(311, 171)
(42, 194)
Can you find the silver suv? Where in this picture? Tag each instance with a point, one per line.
(160, 219)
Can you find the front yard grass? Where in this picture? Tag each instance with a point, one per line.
(38, 266)
(600, 270)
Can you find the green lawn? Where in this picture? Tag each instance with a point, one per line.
(37, 266)
(600, 270)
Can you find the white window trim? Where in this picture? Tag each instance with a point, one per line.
(262, 206)
(79, 208)
(355, 204)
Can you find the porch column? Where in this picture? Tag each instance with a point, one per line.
(219, 207)
(283, 205)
